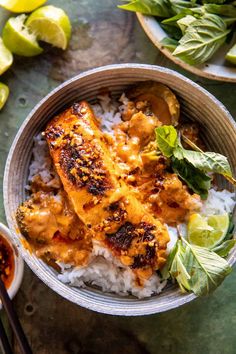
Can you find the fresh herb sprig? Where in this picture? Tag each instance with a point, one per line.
(192, 166)
(195, 268)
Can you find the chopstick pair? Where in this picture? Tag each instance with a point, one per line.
(15, 324)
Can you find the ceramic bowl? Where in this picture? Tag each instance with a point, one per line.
(19, 264)
(219, 132)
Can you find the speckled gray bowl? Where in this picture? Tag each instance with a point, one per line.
(219, 130)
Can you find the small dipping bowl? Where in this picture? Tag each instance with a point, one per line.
(18, 263)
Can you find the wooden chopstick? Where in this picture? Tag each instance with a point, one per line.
(4, 343)
(14, 321)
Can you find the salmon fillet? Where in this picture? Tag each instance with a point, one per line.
(99, 197)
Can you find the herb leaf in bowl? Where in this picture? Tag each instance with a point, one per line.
(166, 137)
(202, 39)
(192, 166)
(185, 22)
(170, 43)
(214, 1)
(160, 8)
(224, 249)
(223, 10)
(197, 180)
(179, 6)
(196, 268)
(208, 162)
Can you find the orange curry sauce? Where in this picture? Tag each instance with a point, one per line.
(7, 262)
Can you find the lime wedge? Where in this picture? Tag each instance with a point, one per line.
(18, 39)
(6, 57)
(207, 231)
(21, 5)
(51, 25)
(231, 55)
(4, 93)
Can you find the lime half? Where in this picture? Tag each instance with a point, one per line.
(207, 231)
(21, 5)
(4, 93)
(51, 25)
(231, 55)
(18, 39)
(6, 57)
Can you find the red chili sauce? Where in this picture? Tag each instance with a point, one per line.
(7, 263)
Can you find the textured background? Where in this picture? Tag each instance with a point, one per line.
(103, 34)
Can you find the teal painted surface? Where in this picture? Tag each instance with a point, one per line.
(102, 34)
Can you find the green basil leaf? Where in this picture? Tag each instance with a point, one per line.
(166, 137)
(165, 271)
(160, 8)
(181, 5)
(169, 43)
(208, 162)
(197, 269)
(223, 10)
(224, 248)
(173, 20)
(213, 1)
(202, 39)
(178, 152)
(206, 268)
(185, 22)
(172, 31)
(230, 232)
(229, 21)
(178, 269)
(197, 180)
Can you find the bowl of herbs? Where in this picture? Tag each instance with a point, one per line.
(196, 35)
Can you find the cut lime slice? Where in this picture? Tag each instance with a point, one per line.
(51, 25)
(207, 231)
(21, 5)
(231, 55)
(4, 93)
(18, 39)
(6, 57)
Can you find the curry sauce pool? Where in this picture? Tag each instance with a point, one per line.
(105, 205)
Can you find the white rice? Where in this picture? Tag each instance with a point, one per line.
(107, 110)
(218, 202)
(173, 237)
(104, 270)
(41, 164)
(107, 273)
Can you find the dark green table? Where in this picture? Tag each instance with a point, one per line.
(102, 35)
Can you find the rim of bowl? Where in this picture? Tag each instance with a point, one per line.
(19, 263)
(147, 22)
(65, 290)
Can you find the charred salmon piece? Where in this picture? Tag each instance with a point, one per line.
(139, 241)
(102, 201)
(82, 161)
